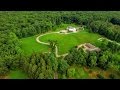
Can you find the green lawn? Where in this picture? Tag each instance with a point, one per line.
(30, 45)
(67, 41)
(17, 74)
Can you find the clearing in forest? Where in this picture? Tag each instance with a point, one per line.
(65, 41)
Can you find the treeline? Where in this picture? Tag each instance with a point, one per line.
(115, 20)
(25, 24)
(9, 49)
(106, 29)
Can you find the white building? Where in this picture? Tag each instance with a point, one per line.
(71, 29)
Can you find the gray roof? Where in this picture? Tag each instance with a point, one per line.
(89, 45)
(70, 27)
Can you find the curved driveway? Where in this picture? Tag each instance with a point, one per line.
(56, 48)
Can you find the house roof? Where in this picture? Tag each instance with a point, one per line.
(70, 27)
(89, 45)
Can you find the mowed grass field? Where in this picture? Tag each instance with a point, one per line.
(17, 74)
(67, 41)
(29, 45)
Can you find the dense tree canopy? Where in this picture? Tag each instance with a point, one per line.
(16, 25)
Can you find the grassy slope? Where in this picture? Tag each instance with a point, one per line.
(66, 42)
(17, 74)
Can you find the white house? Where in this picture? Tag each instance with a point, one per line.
(71, 29)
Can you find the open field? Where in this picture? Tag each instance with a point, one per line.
(67, 41)
(17, 74)
(30, 45)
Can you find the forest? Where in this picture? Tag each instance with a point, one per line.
(15, 25)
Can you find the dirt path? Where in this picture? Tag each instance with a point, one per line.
(56, 52)
(56, 48)
(37, 39)
(100, 39)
